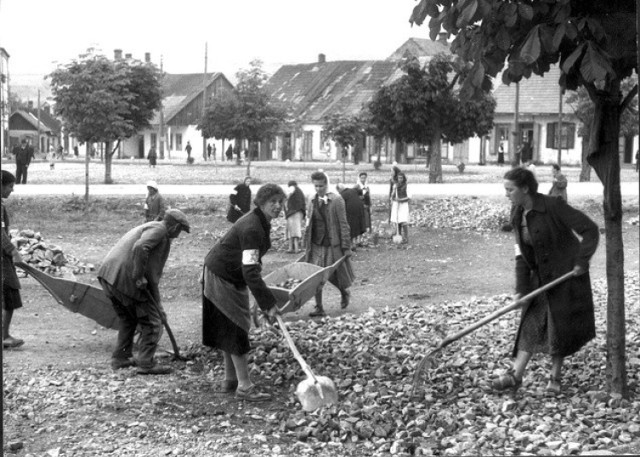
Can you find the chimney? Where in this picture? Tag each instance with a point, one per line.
(442, 37)
(127, 56)
(30, 104)
(322, 58)
(117, 54)
(147, 57)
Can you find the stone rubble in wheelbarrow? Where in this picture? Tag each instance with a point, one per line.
(372, 358)
(45, 256)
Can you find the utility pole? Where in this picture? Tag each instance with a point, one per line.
(204, 102)
(515, 154)
(38, 147)
(161, 132)
(560, 129)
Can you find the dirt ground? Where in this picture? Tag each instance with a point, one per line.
(437, 265)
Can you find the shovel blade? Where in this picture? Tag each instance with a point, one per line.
(309, 393)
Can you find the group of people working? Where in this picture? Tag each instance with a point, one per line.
(552, 238)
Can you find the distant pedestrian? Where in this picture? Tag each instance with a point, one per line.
(188, 148)
(362, 187)
(501, 153)
(213, 152)
(76, 151)
(559, 186)
(11, 299)
(51, 156)
(24, 154)
(154, 205)
(354, 208)
(229, 153)
(400, 207)
(295, 211)
(637, 164)
(60, 152)
(239, 201)
(393, 182)
(209, 151)
(153, 156)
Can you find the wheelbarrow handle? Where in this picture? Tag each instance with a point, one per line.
(516, 304)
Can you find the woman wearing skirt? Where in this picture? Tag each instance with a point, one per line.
(232, 268)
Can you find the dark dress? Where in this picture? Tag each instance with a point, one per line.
(236, 262)
(560, 321)
(355, 212)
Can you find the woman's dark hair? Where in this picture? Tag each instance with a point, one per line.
(292, 184)
(267, 192)
(522, 177)
(555, 166)
(396, 171)
(362, 173)
(7, 178)
(403, 175)
(319, 176)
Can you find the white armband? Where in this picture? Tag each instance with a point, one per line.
(250, 257)
(517, 250)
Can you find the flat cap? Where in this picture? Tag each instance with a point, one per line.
(179, 217)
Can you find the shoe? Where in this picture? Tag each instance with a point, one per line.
(506, 381)
(225, 387)
(11, 342)
(318, 312)
(554, 386)
(157, 369)
(117, 364)
(252, 394)
(346, 298)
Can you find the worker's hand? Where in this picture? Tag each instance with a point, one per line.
(16, 257)
(517, 297)
(578, 270)
(270, 314)
(141, 283)
(348, 252)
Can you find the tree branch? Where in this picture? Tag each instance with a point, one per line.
(629, 98)
(115, 148)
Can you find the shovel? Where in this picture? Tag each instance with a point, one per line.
(315, 391)
(427, 360)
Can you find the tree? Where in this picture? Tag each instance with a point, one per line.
(594, 42)
(584, 110)
(248, 113)
(101, 100)
(346, 131)
(424, 106)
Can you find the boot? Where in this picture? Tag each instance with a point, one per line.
(405, 229)
(319, 310)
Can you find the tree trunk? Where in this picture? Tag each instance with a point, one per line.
(108, 155)
(604, 158)
(435, 170)
(585, 172)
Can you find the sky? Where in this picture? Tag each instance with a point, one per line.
(40, 34)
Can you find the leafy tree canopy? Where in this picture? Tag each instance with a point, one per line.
(247, 113)
(345, 130)
(104, 100)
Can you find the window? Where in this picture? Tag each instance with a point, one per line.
(567, 136)
(178, 141)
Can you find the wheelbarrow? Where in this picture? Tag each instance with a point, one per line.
(314, 391)
(86, 300)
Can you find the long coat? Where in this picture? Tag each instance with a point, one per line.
(557, 250)
(339, 234)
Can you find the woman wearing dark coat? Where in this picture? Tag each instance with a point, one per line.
(552, 238)
(232, 268)
(355, 211)
(240, 201)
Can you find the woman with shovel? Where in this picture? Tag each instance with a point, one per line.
(232, 268)
(400, 207)
(552, 239)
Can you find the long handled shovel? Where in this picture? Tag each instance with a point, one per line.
(427, 360)
(176, 350)
(315, 391)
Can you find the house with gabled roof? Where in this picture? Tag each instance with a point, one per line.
(25, 124)
(182, 106)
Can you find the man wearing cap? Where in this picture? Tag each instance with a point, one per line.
(129, 275)
(154, 205)
(24, 153)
